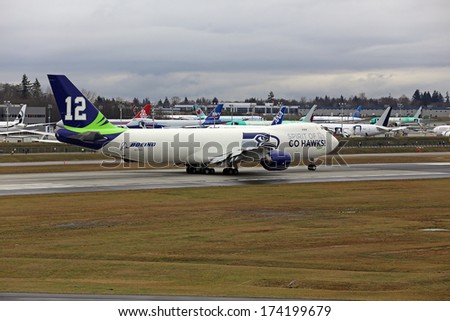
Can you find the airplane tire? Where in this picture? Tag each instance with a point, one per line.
(230, 171)
(312, 167)
(190, 170)
(208, 171)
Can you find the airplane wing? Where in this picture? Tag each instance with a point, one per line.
(396, 129)
(34, 134)
(391, 129)
(39, 124)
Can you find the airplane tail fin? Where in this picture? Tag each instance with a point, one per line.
(384, 119)
(84, 125)
(278, 119)
(310, 115)
(199, 112)
(144, 112)
(418, 113)
(214, 115)
(21, 116)
(357, 112)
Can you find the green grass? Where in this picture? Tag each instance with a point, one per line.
(357, 240)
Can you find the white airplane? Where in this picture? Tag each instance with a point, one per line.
(355, 118)
(443, 130)
(199, 114)
(280, 115)
(277, 120)
(275, 147)
(212, 118)
(16, 124)
(398, 121)
(143, 113)
(380, 127)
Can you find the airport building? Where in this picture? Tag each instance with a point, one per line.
(34, 115)
(269, 109)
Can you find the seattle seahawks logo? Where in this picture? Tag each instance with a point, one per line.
(260, 140)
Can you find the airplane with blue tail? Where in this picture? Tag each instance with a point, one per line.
(274, 147)
(212, 118)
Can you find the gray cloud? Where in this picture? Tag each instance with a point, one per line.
(230, 49)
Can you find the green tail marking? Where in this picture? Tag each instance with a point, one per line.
(100, 124)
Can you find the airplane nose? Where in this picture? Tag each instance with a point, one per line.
(334, 143)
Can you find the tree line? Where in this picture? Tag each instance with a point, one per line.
(30, 92)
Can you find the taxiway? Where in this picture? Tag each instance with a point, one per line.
(116, 180)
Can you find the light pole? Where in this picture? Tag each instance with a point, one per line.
(8, 104)
(120, 113)
(342, 117)
(49, 109)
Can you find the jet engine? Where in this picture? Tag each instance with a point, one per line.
(276, 160)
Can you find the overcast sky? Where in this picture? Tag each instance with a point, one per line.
(230, 49)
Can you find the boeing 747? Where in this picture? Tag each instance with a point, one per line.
(274, 147)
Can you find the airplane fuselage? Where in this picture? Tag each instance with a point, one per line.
(198, 146)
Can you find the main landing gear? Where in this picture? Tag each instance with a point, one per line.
(200, 170)
(230, 171)
(312, 167)
(209, 171)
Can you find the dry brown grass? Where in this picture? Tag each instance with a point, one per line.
(357, 240)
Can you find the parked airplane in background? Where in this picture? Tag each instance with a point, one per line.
(277, 120)
(199, 114)
(198, 148)
(16, 124)
(308, 118)
(365, 129)
(213, 117)
(322, 119)
(443, 130)
(398, 121)
(143, 113)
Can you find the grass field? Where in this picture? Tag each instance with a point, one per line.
(386, 240)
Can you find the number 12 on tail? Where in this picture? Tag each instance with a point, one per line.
(78, 111)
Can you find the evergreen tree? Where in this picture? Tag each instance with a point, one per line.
(426, 98)
(166, 103)
(25, 90)
(437, 97)
(417, 96)
(36, 89)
